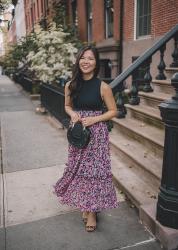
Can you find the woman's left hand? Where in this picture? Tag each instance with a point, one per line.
(88, 121)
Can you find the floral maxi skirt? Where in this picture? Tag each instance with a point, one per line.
(87, 179)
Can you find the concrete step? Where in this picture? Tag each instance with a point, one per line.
(139, 192)
(170, 71)
(142, 161)
(163, 86)
(166, 235)
(153, 99)
(149, 136)
(145, 114)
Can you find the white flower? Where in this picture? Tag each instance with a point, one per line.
(54, 57)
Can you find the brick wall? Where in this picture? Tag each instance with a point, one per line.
(98, 20)
(164, 16)
(128, 20)
(117, 13)
(37, 9)
(82, 22)
(33, 10)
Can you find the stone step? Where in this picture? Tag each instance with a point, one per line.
(139, 192)
(166, 235)
(163, 86)
(148, 135)
(170, 71)
(137, 157)
(153, 99)
(146, 114)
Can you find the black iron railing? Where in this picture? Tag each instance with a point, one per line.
(167, 205)
(144, 61)
(52, 99)
(28, 84)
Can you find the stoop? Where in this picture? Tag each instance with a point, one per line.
(167, 236)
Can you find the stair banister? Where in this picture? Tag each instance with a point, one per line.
(145, 56)
(167, 205)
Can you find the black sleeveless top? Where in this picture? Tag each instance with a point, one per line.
(89, 97)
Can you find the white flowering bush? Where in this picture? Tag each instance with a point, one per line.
(54, 57)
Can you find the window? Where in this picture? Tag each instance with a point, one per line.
(105, 69)
(38, 12)
(42, 6)
(34, 12)
(32, 18)
(74, 14)
(46, 6)
(89, 19)
(143, 27)
(109, 18)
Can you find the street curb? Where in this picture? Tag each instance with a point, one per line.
(35, 97)
(54, 122)
(1, 202)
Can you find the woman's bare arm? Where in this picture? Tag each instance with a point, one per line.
(68, 105)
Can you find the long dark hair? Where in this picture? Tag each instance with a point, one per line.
(76, 81)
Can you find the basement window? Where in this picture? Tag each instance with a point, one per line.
(105, 69)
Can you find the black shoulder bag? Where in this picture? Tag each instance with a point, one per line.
(78, 135)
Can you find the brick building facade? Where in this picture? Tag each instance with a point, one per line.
(37, 11)
(20, 20)
(123, 29)
(163, 17)
(10, 36)
(99, 22)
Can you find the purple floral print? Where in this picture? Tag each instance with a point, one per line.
(87, 179)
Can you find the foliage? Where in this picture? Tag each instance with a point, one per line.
(8, 63)
(48, 52)
(4, 4)
(60, 14)
(15, 58)
(23, 47)
(55, 55)
(60, 18)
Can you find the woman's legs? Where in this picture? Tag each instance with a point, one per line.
(91, 222)
(85, 216)
(89, 218)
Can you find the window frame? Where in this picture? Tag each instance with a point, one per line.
(137, 33)
(108, 5)
(89, 20)
(74, 14)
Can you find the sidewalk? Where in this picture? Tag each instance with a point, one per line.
(33, 157)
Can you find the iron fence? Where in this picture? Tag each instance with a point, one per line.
(28, 84)
(52, 99)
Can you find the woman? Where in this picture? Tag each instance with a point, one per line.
(87, 179)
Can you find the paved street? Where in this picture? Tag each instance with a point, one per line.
(33, 156)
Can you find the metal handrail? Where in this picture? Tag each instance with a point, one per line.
(142, 58)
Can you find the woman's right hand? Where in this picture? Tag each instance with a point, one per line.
(75, 117)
